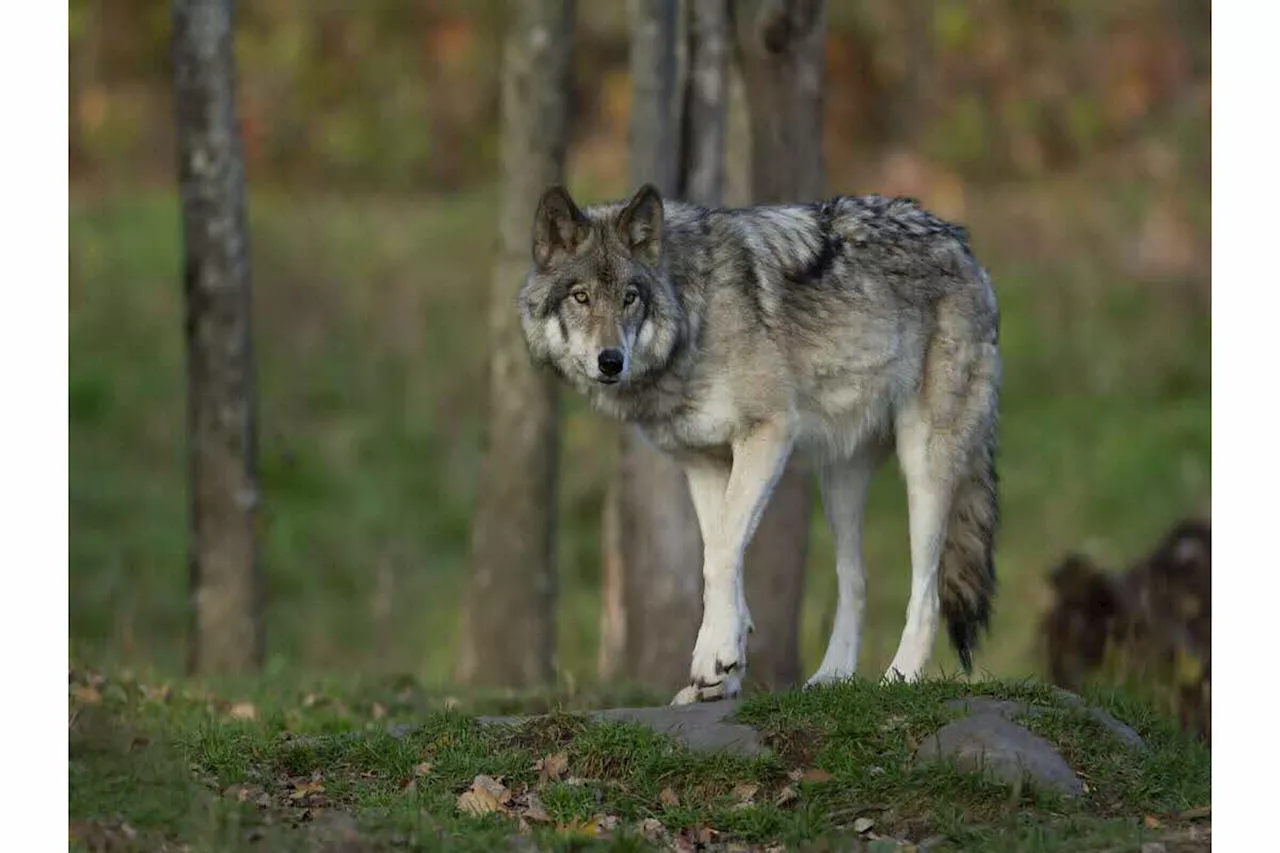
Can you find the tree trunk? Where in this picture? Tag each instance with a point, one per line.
(659, 553)
(507, 628)
(706, 99)
(780, 51)
(226, 585)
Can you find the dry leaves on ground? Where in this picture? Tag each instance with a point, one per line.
(485, 795)
(551, 768)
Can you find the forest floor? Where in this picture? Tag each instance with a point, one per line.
(388, 765)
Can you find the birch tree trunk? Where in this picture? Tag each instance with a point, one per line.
(507, 623)
(225, 581)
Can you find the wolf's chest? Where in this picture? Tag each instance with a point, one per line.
(707, 420)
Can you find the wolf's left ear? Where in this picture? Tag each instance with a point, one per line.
(640, 224)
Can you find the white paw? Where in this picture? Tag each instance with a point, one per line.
(903, 672)
(728, 687)
(719, 659)
(827, 676)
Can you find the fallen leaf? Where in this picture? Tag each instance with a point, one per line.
(478, 802)
(485, 795)
(786, 795)
(652, 829)
(243, 711)
(862, 824)
(306, 789)
(422, 769)
(552, 767)
(668, 798)
(1152, 822)
(87, 694)
(156, 694)
(579, 827)
(815, 775)
(493, 786)
(744, 792)
(534, 809)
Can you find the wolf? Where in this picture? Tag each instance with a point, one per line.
(843, 331)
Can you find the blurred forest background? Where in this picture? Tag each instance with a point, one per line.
(1072, 138)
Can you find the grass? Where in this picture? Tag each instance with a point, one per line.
(369, 324)
(293, 766)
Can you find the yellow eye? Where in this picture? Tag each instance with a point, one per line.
(629, 298)
(581, 297)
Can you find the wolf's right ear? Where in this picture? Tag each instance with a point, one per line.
(640, 224)
(559, 228)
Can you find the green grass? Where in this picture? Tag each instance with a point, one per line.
(369, 325)
(175, 766)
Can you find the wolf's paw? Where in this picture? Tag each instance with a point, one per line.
(719, 660)
(727, 687)
(824, 677)
(899, 673)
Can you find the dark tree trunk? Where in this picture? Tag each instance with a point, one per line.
(226, 585)
(507, 631)
(780, 51)
(659, 553)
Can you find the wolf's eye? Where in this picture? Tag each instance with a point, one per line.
(629, 298)
(580, 296)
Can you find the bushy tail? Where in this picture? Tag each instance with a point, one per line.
(967, 574)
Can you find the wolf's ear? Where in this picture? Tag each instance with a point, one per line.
(640, 224)
(559, 228)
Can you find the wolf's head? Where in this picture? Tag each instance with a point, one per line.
(597, 304)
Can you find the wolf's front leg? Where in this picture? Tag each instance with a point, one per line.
(720, 654)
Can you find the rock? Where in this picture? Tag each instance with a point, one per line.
(1011, 710)
(993, 744)
(704, 727)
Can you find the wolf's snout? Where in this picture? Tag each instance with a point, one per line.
(610, 362)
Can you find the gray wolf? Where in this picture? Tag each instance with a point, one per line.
(843, 330)
(1150, 623)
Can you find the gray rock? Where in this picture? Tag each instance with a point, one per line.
(704, 727)
(1011, 710)
(991, 743)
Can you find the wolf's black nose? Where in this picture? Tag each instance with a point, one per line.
(610, 362)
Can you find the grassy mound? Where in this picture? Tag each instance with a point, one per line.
(317, 767)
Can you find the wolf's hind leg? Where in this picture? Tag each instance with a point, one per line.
(946, 445)
(720, 654)
(844, 496)
(930, 478)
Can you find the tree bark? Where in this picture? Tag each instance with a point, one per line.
(780, 52)
(225, 580)
(659, 553)
(507, 624)
(706, 110)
